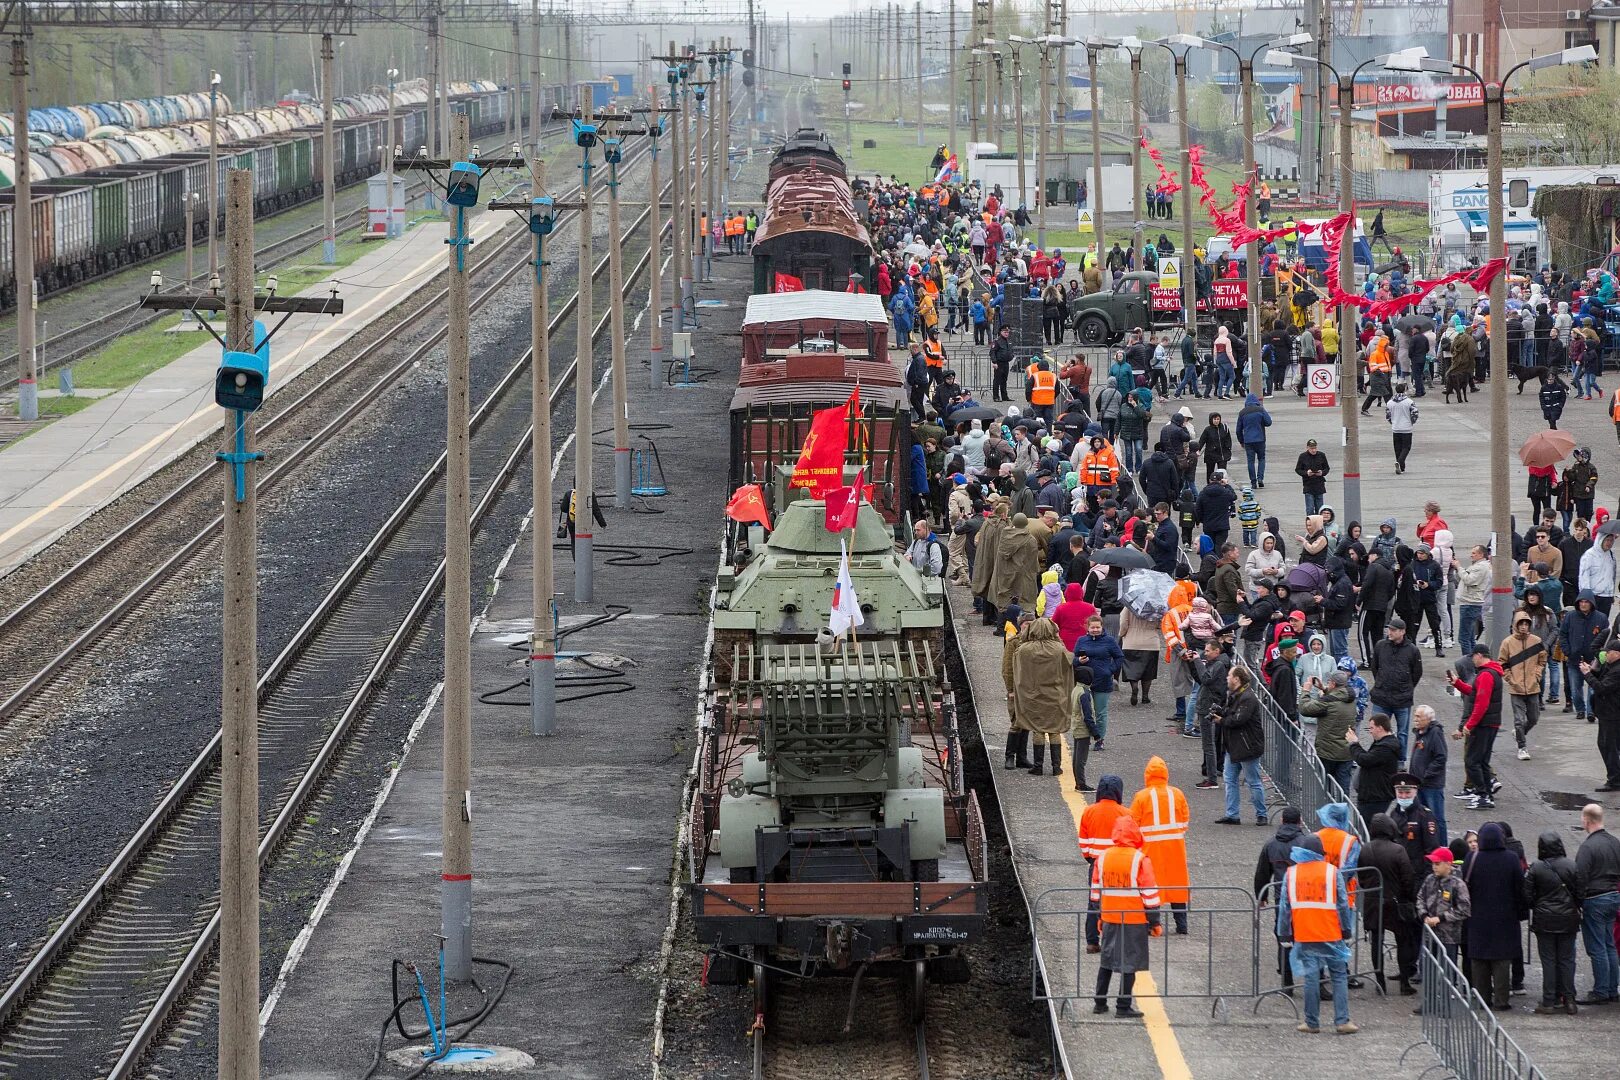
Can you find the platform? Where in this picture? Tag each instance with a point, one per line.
(69, 469)
(573, 835)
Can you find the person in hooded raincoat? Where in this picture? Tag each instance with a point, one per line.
(984, 561)
(1043, 676)
(1123, 885)
(1160, 811)
(1017, 570)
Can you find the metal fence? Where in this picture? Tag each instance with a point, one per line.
(1462, 1030)
(1457, 1024)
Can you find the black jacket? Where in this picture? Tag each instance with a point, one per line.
(1397, 670)
(1552, 888)
(1214, 507)
(1284, 686)
(1242, 731)
(1605, 684)
(1394, 877)
(1165, 546)
(1377, 586)
(1276, 858)
(1313, 461)
(1496, 886)
(1339, 602)
(1598, 863)
(1160, 478)
(1379, 763)
(1417, 830)
(1211, 676)
(1216, 443)
(1429, 753)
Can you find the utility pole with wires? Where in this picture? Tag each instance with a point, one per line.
(675, 75)
(585, 137)
(22, 240)
(655, 282)
(613, 154)
(700, 155)
(919, 74)
(239, 387)
(464, 174)
(542, 211)
(328, 155)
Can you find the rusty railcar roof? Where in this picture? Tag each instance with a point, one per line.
(810, 188)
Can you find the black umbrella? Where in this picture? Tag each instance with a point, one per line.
(973, 412)
(1609, 528)
(1128, 557)
(1421, 322)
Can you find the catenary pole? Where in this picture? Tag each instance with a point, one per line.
(22, 239)
(919, 74)
(950, 56)
(239, 746)
(584, 381)
(1189, 282)
(1096, 199)
(1040, 144)
(1251, 255)
(328, 155)
(543, 636)
(456, 872)
(655, 281)
(621, 389)
(535, 119)
(1136, 155)
(213, 175)
(1349, 416)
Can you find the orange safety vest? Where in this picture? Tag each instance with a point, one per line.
(1123, 886)
(1313, 897)
(1096, 830)
(1161, 811)
(1338, 845)
(1045, 389)
(1099, 467)
(933, 353)
(1614, 407)
(1170, 627)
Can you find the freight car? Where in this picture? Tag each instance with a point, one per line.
(90, 223)
(806, 351)
(832, 832)
(810, 233)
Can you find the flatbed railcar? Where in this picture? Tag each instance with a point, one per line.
(94, 222)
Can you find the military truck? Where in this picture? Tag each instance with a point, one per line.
(1102, 318)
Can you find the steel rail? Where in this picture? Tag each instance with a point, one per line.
(284, 467)
(41, 963)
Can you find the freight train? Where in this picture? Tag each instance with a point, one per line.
(810, 236)
(121, 207)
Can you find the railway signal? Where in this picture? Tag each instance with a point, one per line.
(240, 385)
(849, 137)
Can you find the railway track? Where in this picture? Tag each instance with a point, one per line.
(167, 525)
(96, 998)
(813, 1029)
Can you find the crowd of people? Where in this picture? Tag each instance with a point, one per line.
(1055, 513)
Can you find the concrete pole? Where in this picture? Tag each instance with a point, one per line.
(239, 692)
(700, 208)
(1040, 147)
(1189, 283)
(455, 896)
(1061, 79)
(1501, 443)
(621, 389)
(1136, 155)
(190, 202)
(584, 386)
(390, 230)
(1018, 124)
(435, 136)
(655, 281)
(445, 128)
(213, 175)
(1251, 256)
(568, 57)
(22, 237)
(328, 155)
(919, 75)
(692, 242)
(678, 285)
(712, 194)
(543, 636)
(514, 122)
(535, 119)
(1096, 199)
(725, 134)
(1349, 365)
(950, 54)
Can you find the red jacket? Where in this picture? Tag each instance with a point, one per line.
(1071, 615)
(1483, 688)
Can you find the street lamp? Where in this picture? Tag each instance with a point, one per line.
(1185, 43)
(390, 229)
(1095, 44)
(1045, 44)
(1131, 45)
(992, 105)
(1017, 44)
(1501, 505)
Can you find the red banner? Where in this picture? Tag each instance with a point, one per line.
(1229, 294)
(844, 504)
(748, 504)
(787, 283)
(820, 467)
(1168, 184)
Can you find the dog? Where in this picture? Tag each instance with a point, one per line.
(1457, 383)
(1525, 374)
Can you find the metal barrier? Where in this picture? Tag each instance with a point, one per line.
(1463, 1032)
(1290, 761)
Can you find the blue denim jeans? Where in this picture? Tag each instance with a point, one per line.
(1313, 503)
(1132, 455)
(1339, 643)
(1403, 726)
(1255, 455)
(1527, 352)
(1189, 381)
(1309, 960)
(1575, 683)
(1189, 719)
(1468, 616)
(1597, 932)
(1586, 383)
(1227, 374)
(1250, 774)
(1553, 679)
(1435, 800)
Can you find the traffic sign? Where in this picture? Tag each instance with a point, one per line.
(1169, 272)
(1321, 386)
(1085, 223)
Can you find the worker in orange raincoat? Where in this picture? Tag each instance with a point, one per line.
(1100, 467)
(1161, 812)
(1175, 640)
(1124, 886)
(1096, 835)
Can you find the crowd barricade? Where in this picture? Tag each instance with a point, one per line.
(1215, 915)
(1462, 1030)
(1457, 1023)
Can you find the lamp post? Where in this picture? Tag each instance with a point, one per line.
(1132, 47)
(390, 149)
(1018, 115)
(1045, 44)
(1501, 504)
(1094, 45)
(1251, 256)
(1189, 284)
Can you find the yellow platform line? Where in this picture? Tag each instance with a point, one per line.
(1166, 1047)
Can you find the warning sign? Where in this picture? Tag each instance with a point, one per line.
(1085, 223)
(1169, 273)
(1321, 386)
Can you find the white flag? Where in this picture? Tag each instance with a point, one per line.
(846, 606)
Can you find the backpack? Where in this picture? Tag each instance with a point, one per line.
(944, 556)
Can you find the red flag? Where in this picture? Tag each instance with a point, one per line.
(748, 504)
(787, 283)
(820, 467)
(844, 504)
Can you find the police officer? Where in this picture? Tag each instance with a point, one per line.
(1416, 828)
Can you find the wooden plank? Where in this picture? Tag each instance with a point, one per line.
(862, 899)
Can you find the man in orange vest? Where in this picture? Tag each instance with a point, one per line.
(1100, 467)
(1122, 883)
(1096, 836)
(1040, 387)
(1160, 811)
(1343, 849)
(1614, 411)
(1313, 912)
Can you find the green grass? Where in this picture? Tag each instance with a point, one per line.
(896, 153)
(64, 406)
